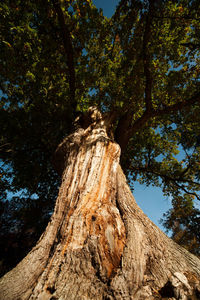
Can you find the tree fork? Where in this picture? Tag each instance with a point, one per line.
(98, 243)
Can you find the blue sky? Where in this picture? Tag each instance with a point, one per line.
(150, 199)
(108, 6)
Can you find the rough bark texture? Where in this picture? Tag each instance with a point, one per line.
(99, 244)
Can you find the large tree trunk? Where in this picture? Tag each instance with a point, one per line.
(99, 244)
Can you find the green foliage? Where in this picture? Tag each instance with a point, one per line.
(143, 61)
(184, 222)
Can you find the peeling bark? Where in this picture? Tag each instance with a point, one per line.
(99, 244)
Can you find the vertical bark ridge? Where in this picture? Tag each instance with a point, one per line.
(86, 228)
(150, 259)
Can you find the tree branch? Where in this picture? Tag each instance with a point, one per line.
(125, 122)
(172, 179)
(121, 133)
(178, 106)
(2, 148)
(147, 115)
(183, 188)
(147, 58)
(67, 43)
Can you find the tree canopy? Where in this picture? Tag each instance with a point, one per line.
(57, 59)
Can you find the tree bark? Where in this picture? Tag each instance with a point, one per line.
(98, 243)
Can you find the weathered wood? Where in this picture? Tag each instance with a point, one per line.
(99, 244)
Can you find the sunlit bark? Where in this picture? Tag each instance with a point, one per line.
(99, 244)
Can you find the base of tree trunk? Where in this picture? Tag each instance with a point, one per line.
(99, 244)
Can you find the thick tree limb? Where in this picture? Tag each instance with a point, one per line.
(122, 131)
(125, 130)
(125, 122)
(147, 115)
(147, 57)
(178, 106)
(67, 43)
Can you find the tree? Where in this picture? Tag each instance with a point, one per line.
(129, 85)
(183, 220)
